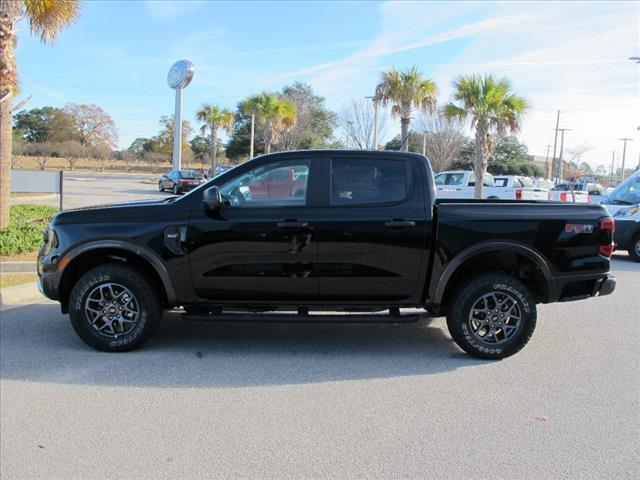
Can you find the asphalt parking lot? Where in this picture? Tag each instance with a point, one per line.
(325, 401)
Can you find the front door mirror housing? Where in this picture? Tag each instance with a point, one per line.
(212, 199)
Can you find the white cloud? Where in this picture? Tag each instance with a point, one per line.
(569, 57)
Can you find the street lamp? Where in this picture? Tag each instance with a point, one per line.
(375, 122)
(178, 78)
(561, 130)
(624, 152)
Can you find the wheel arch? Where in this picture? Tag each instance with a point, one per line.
(543, 281)
(82, 258)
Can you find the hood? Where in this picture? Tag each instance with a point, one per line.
(122, 210)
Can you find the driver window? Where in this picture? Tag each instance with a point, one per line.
(276, 184)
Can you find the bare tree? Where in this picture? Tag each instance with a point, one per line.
(442, 138)
(72, 151)
(360, 114)
(93, 126)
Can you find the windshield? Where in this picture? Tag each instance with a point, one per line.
(628, 192)
(189, 174)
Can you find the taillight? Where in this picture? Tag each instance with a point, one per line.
(185, 181)
(549, 195)
(588, 198)
(563, 197)
(607, 227)
(519, 194)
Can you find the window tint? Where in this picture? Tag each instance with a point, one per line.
(487, 181)
(368, 181)
(449, 178)
(273, 184)
(189, 174)
(501, 182)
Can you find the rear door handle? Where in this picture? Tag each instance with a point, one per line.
(400, 224)
(292, 224)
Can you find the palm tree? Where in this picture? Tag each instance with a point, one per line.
(47, 19)
(492, 108)
(406, 91)
(214, 118)
(274, 113)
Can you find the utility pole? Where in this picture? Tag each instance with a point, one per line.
(624, 153)
(561, 130)
(253, 120)
(424, 144)
(555, 143)
(546, 163)
(613, 161)
(375, 122)
(349, 123)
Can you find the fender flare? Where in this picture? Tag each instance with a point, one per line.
(142, 252)
(491, 246)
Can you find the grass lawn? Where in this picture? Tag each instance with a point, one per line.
(23, 235)
(12, 279)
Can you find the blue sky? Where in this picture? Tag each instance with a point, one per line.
(560, 55)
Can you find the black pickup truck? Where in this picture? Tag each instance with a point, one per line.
(301, 232)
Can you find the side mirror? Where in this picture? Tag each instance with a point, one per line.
(212, 199)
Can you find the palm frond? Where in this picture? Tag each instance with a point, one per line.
(48, 18)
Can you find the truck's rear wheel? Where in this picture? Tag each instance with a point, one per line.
(114, 308)
(492, 316)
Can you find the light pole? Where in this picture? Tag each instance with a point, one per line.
(561, 130)
(624, 152)
(424, 144)
(179, 76)
(253, 120)
(375, 122)
(613, 161)
(546, 163)
(555, 143)
(349, 123)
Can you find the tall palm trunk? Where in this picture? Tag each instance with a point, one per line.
(480, 161)
(214, 149)
(5, 158)
(404, 134)
(9, 14)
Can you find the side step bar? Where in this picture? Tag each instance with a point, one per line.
(280, 317)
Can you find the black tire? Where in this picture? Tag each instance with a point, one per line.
(175, 190)
(160, 187)
(515, 312)
(145, 302)
(634, 249)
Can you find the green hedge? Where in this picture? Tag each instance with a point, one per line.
(24, 232)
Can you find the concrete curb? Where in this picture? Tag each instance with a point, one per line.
(17, 200)
(18, 267)
(20, 294)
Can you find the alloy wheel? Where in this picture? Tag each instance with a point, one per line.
(112, 309)
(495, 318)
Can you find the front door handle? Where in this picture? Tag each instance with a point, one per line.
(400, 224)
(292, 224)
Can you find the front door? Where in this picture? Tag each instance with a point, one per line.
(373, 230)
(262, 245)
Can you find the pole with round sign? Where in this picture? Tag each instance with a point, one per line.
(180, 75)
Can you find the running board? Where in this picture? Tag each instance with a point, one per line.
(279, 317)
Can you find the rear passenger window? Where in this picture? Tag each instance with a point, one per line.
(368, 181)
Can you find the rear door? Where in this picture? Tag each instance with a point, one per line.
(372, 225)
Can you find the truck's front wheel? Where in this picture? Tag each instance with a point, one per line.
(492, 316)
(114, 308)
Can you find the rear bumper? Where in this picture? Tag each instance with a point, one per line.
(568, 289)
(606, 286)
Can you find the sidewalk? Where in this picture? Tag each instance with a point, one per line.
(20, 294)
(18, 267)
